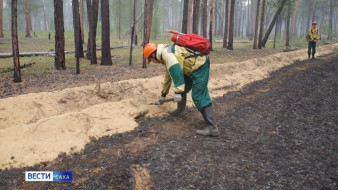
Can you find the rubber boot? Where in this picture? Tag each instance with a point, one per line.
(209, 117)
(180, 107)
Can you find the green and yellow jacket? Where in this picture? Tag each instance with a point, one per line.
(313, 35)
(177, 65)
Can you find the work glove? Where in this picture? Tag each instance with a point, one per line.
(160, 101)
(177, 97)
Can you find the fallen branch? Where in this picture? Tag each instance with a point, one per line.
(226, 86)
(50, 53)
(21, 67)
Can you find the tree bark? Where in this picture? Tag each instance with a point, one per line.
(27, 19)
(190, 10)
(329, 36)
(60, 62)
(119, 21)
(1, 20)
(287, 39)
(267, 34)
(251, 20)
(148, 14)
(15, 43)
(205, 17)
(92, 9)
(185, 17)
(211, 25)
(261, 27)
(45, 15)
(81, 21)
(195, 16)
(132, 34)
(106, 55)
(77, 33)
(256, 25)
(226, 25)
(231, 26)
(294, 16)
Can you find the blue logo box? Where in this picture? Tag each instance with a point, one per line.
(48, 176)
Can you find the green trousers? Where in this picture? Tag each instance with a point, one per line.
(198, 83)
(312, 45)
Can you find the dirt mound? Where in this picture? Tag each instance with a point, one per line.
(37, 127)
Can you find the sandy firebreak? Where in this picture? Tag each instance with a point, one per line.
(37, 127)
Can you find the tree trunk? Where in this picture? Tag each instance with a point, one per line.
(231, 26)
(92, 9)
(256, 25)
(211, 25)
(226, 25)
(27, 19)
(148, 15)
(185, 16)
(251, 26)
(329, 36)
(261, 27)
(119, 21)
(205, 17)
(287, 39)
(81, 21)
(106, 55)
(195, 16)
(15, 43)
(45, 15)
(267, 34)
(132, 34)
(1, 19)
(60, 62)
(321, 23)
(77, 33)
(294, 16)
(190, 10)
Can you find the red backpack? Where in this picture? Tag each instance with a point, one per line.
(191, 41)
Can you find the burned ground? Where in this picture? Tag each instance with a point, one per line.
(278, 133)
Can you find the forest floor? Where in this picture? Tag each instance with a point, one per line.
(276, 133)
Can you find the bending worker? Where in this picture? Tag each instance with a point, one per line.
(312, 39)
(187, 71)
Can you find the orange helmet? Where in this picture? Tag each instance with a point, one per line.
(149, 49)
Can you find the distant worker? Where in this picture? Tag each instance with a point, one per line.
(312, 38)
(187, 71)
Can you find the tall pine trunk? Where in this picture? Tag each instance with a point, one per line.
(294, 16)
(231, 26)
(27, 19)
(332, 4)
(195, 16)
(106, 55)
(148, 15)
(92, 10)
(185, 16)
(287, 27)
(261, 27)
(60, 62)
(267, 34)
(77, 33)
(226, 25)
(132, 34)
(15, 43)
(81, 21)
(205, 17)
(256, 25)
(211, 25)
(1, 20)
(251, 26)
(190, 11)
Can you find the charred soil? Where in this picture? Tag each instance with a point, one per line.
(277, 133)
